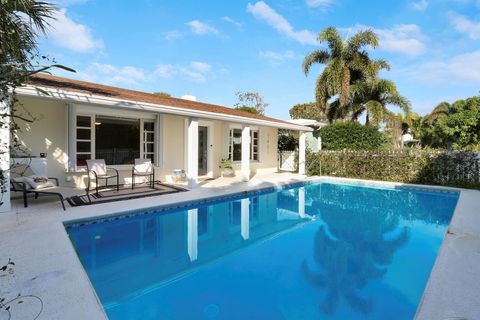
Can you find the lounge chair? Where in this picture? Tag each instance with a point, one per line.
(24, 180)
(143, 168)
(100, 171)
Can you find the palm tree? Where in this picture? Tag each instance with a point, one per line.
(19, 21)
(372, 97)
(346, 62)
(443, 109)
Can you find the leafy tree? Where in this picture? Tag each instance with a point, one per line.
(248, 109)
(250, 102)
(451, 126)
(163, 94)
(308, 110)
(346, 62)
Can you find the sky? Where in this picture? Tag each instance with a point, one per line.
(214, 48)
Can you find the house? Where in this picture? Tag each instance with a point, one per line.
(79, 120)
(312, 138)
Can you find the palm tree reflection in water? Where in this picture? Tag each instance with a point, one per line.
(356, 245)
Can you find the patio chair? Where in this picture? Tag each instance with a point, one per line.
(100, 171)
(23, 180)
(143, 168)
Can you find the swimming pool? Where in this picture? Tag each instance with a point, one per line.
(314, 251)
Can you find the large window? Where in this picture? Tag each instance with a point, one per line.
(235, 145)
(116, 140)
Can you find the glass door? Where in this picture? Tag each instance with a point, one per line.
(202, 150)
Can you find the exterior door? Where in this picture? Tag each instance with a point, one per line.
(202, 150)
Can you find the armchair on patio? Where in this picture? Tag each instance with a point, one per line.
(143, 168)
(24, 180)
(99, 170)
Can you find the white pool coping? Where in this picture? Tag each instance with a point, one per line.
(47, 265)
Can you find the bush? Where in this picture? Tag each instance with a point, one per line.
(460, 169)
(352, 135)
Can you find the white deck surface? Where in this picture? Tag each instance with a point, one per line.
(47, 265)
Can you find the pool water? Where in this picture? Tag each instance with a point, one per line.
(314, 251)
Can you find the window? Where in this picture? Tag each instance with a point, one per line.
(149, 140)
(254, 145)
(84, 139)
(235, 145)
(116, 140)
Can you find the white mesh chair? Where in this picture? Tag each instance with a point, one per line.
(143, 168)
(99, 170)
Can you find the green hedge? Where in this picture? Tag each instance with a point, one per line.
(353, 136)
(460, 169)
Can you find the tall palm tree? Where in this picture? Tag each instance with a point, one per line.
(345, 63)
(373, 98)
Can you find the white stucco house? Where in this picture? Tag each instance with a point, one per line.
(80, 120)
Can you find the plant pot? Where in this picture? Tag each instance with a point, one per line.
(228, 172)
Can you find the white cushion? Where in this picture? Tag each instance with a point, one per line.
(36, 182)
(98, 166)
(143, 166)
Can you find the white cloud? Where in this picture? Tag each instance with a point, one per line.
(319, 3)
(201, 28)
(464, 25)
(263, 12)
(165, 71)
(402, 38)
(109, 74)
(458, 68)
(230, 20)
(202, 67)
(406, 39)
(419, 5)
(173, 35)
(71, 35)
(195, 71)
(277, 57)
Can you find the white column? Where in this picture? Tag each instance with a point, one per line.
(192, 152)
(5, 156)
(301, 202)
(245, 218)
(301, 153)
(192, 241)
(246, 153)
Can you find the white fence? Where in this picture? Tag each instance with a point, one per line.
(286, 161)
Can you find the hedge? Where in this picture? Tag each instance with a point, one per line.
(459, 169)
(353, 136)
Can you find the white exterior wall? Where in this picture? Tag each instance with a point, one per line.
(49, 134)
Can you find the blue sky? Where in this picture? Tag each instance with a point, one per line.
(214, 48)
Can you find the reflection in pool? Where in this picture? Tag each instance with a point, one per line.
(318, 251)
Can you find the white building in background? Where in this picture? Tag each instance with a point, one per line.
(312, 138)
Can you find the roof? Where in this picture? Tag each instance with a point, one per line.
(89, 88)
(308, 122)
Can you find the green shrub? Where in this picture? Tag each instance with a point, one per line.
(353, 136)
(460, 169)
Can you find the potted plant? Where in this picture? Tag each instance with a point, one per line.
(227, 168)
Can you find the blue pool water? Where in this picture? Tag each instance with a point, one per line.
(317, 251)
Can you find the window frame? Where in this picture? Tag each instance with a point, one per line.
(152, 118)
(229, 147)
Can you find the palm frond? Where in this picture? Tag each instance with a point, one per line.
(317, 56)
(333, 39)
